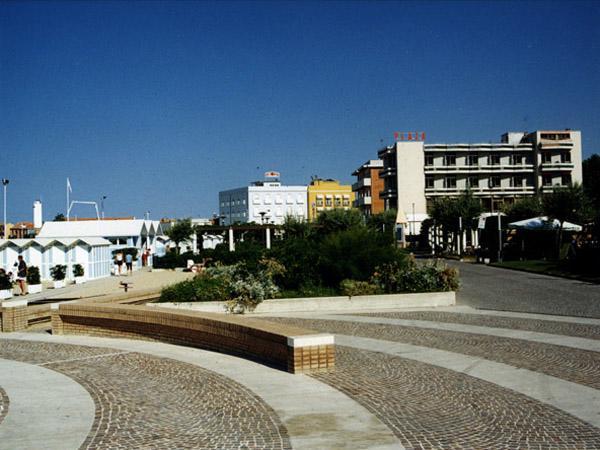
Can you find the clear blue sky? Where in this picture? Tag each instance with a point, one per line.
(160, 105)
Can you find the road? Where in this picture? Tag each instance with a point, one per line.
(508, 290)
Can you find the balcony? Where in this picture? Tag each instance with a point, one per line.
(364, 182)
(481, 191)
(555, 145)
(362, 201)
(388, 193)
(387, 172)
(557, 166)
(518, 168)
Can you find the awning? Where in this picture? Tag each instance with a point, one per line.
(543, 223)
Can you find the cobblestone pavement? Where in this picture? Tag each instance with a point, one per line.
(147, 402)
(3, 404)
(429, 407)
(542, 326)
(571, 364)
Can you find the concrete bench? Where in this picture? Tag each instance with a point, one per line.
(294, 349)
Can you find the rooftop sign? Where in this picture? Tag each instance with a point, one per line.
(409, 136)
(272, 174)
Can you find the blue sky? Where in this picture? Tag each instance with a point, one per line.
(159, 105)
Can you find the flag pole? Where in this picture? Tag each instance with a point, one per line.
(68, 186)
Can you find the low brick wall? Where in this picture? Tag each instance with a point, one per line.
(13, 315)
(294, 349)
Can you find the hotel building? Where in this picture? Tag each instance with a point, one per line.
(262, 202)
(368, 186)
(520, 165)
(324, 195)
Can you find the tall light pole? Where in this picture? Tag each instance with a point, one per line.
(4, 184)
(102, 205)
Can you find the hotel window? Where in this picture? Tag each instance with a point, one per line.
(517, 160)
(429, 160)
(256, 200)
(450, 159)
(346, 200)
(546, 158)
(328, 201)
(517, 181)
(450, 182)
(473, 182)
(428, 181)
(547, 180)
(338, 201)
(267, 200)
(566, 180)
(494, 160)
(319, 201)
(472, 160)
(278, 199)
(300, 199)
(289, 199)
(565, 157)
(494, 182)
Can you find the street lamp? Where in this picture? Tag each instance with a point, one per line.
(102, 205)
(4, 184)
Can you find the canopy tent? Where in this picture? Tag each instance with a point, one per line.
(543, 223)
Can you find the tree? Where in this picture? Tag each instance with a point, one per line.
(60, 217)
(180, 232)
(447, 212)
(339, 219)
(565, 204)
(591, 180)
(523, 208)
(383, 222)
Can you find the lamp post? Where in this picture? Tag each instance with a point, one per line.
(4, 184)
(102, 205)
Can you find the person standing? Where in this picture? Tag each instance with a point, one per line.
(129, 263)
(21, 274)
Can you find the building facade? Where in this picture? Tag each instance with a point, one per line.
(520, 165)
(368, 187)
(262, 202)
(324, 195)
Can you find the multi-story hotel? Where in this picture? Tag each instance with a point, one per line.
(324, 195)
(522, 164)
(368, 186)
(262, 202)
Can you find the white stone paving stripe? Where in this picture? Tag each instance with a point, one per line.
(543, 338)
(316, 415)
(580, 401)
(47, 410)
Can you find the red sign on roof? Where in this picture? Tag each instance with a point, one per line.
(409, 135)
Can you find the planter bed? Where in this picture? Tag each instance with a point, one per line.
(329, 304)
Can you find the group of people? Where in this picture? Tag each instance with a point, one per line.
(128, 263)
(21, 276)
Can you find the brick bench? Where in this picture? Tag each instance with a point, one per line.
(294, 349)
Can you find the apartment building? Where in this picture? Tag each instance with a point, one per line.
(263, 202)
(367, 187)
(520, 165)
(327, 194)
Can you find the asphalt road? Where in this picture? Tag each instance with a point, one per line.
(509, 290)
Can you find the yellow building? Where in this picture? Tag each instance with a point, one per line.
(328, 194)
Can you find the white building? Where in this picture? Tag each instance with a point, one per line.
(92, 253)
(522, 164)
(139, 234)
(263, 202)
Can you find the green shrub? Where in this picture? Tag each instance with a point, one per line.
(392, 278)
(58, 272)
(5, 283)
(33, 275)
(201, 288)
(78, 270)
(352, 288)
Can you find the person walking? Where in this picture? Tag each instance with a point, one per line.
(119, 260)
(129, 263)
(21, 274)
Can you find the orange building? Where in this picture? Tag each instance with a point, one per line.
(368, 186)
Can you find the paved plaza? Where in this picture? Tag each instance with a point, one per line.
(440, 378)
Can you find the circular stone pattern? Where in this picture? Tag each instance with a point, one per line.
(149, 402)
(3, 404)
(428, 407)
(582, 330)
(571, 364)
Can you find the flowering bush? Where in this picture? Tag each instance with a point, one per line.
(431, 277)
(353, 288)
